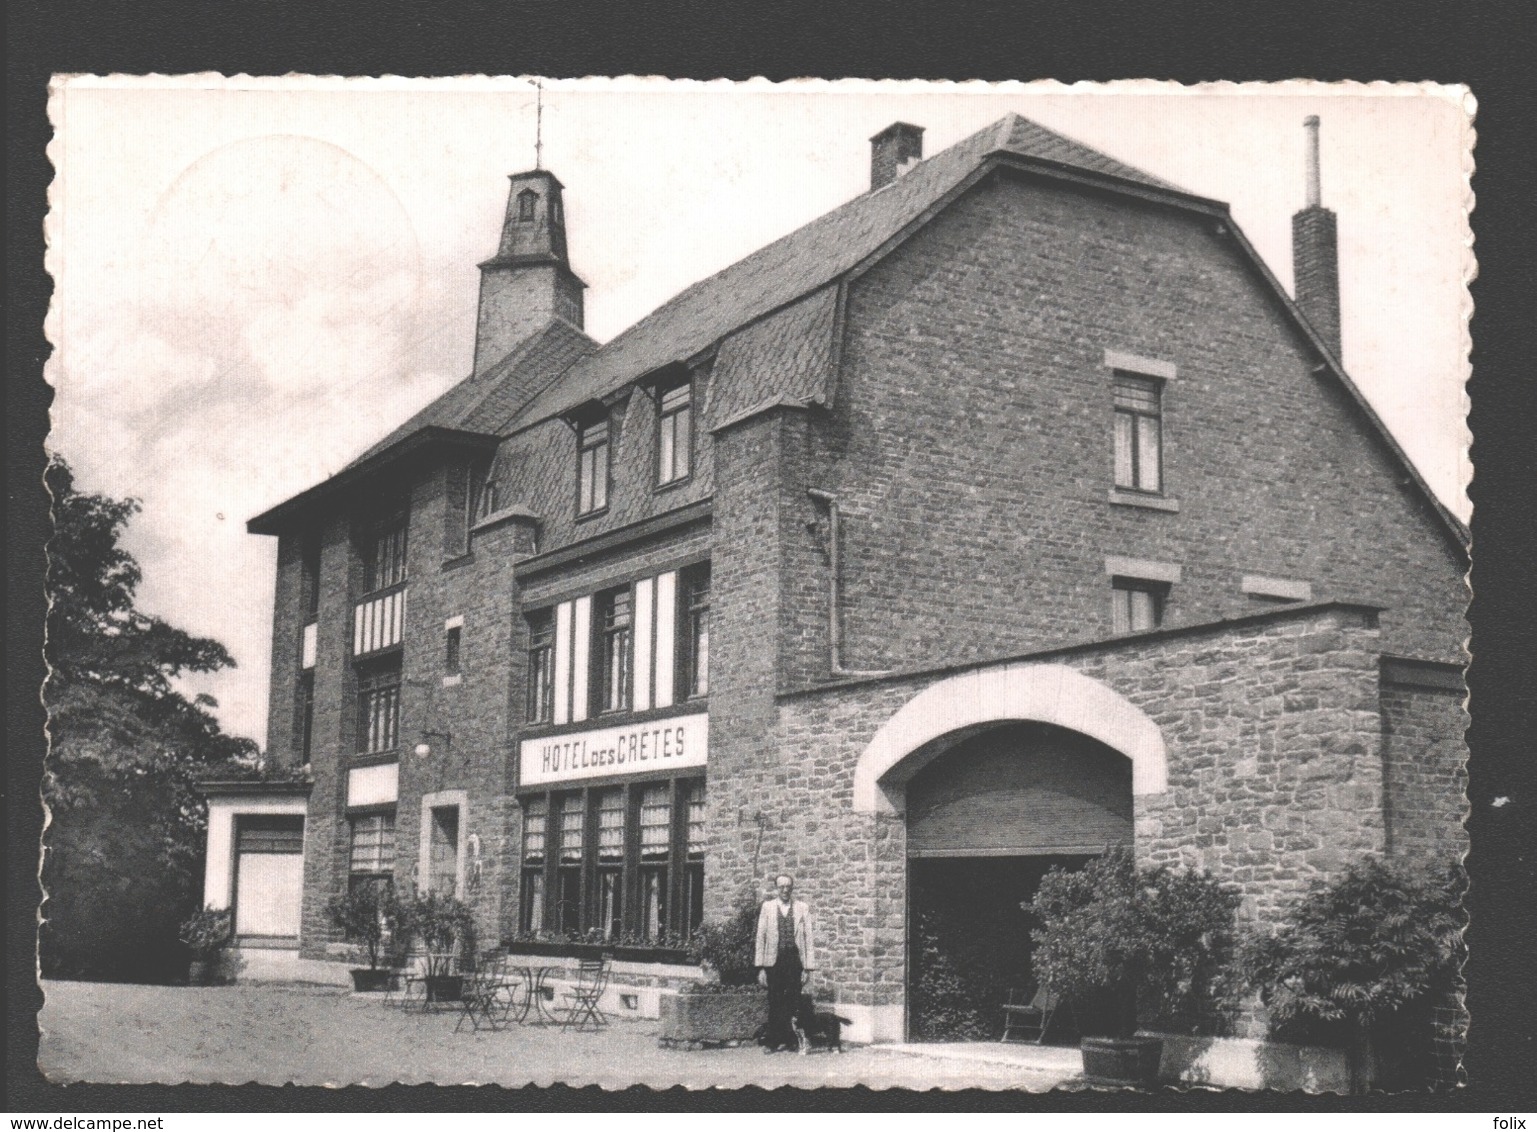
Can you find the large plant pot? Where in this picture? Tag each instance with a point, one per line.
(732, 1017)
(1122, 1061)
(366, 979)
(445, 988)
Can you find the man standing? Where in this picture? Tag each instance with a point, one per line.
(784, 956)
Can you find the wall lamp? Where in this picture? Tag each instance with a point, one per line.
(423, 749)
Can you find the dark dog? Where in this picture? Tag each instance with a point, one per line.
(814, 1028)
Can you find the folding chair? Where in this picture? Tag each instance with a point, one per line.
(482, 1000)
(407, 983)
(582, 1000)
(1030, 1017)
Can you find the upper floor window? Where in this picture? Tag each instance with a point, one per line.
(485, 498)
(592, 467)
(1138, 433)
(526, 201)
(384, 553)
(541, 666)
(378, 721)
(675, 435)
(614, 657)
(694, 610)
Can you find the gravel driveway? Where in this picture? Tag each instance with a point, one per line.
(278, 1033)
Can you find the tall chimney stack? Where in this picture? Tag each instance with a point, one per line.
(1315, 253)
(893, 151)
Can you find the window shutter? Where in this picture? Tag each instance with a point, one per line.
(666, 636)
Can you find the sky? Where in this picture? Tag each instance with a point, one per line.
(255, 279)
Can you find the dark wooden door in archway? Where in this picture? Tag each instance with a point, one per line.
(985, 821)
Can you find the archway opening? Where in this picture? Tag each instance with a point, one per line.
(987, 816)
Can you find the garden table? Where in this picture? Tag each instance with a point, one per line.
(534, 979)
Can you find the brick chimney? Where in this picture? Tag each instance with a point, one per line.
(893, 151)
(1315, 253)
(529, 281)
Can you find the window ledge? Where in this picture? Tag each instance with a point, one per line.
(1137, 499)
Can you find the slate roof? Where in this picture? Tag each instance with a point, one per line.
(807, 258)
(561, 368)
(488, 402)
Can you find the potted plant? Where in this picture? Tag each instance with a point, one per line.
(444, 927)
(1113, 937)
(1359, 964)
(726, 1005)
(206, 935)
(365, 915)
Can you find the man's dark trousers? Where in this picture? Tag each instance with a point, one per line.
(784, 991)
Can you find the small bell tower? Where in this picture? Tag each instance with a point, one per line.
(529, 282)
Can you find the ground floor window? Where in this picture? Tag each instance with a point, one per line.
(627, 863)
(372, 860)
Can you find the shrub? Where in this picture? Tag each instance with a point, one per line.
(728, 945)
(207, 933)
(1359, 961)
(441, 924)
(1112, 936)
(366, 914)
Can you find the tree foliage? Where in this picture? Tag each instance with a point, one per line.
(730, 945)
(1113, 937)
(126, 746)
(1358, 950)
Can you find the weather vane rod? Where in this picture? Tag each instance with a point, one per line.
(538, 125)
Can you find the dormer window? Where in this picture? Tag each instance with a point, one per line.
(526, 201)
(675, 435)
(592, 467)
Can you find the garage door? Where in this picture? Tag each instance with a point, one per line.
(269, 874)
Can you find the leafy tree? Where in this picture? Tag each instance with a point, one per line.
(1114, 937)
(1360, 961)
(125, 838)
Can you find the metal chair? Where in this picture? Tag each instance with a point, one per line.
(1028, 1016)
(483, 999)
(581, 1001)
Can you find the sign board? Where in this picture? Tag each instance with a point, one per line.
(659, 744)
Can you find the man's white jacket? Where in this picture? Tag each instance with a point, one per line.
(768, 934)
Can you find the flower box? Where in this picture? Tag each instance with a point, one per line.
(645, 953)
(733, 1016)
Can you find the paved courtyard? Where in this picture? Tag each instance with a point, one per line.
(275, 1033)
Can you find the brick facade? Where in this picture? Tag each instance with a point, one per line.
(951, 400)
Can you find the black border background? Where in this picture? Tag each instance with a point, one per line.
(1487, 46)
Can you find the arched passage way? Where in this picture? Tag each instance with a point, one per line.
(999, 774)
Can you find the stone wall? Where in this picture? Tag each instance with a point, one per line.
(1424, 762)
(1273, 741)
(970, 442)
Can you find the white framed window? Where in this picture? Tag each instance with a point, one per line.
(675, 435)
(592, 467)
(1138, 433)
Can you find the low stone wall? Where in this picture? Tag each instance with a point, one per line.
(635, 990)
